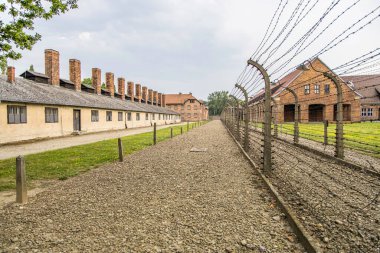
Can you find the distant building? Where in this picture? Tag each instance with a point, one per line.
(190, 108)
(37, 105)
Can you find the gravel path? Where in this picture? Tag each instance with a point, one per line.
(162, 199)
(339, 206)
(9, 151)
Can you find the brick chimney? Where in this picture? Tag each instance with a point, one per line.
(150, 96)
(159, 99)
(97, 80)
(145, 94)
(52, 66)
(121, 87)
(11, 74)
(131, 91)
(75, 73)
(155, 97)
(138, 92)
(110, 83)
(163, 100)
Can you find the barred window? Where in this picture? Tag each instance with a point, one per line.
(146, 116)
(316, 88)
(327, 88)
(189, 107)
(153, 116)
(16, 114)
(159, 116)
(137, 116)
(51, 115)
(94, 115)
(370, 112)
(109, 116)
(129, 116)
(307, 89)
(120, 116)
(364, 112)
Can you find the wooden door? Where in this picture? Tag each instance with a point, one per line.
(76, 120)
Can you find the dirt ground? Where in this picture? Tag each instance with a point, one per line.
(162, 199)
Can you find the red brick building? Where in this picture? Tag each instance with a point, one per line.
(190, 108)
(317, 97)
(369, 87)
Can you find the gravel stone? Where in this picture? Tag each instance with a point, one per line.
(161, 199)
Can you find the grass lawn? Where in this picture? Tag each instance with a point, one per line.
(69, 162)
(363, 137)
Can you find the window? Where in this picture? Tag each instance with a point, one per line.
(369, 112)
(153, 116)
(189, 107)
(327, 88)
(146, 116)
(159, 116)
(129, 116)
(316, 88)
(307, 89)
(137, 116)
(16, 114)
(94, 116)
(120, 116)
(364, 112)
(51, 115)
(109, 116)
(192, 101)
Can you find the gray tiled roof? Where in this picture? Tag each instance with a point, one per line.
(29, 92)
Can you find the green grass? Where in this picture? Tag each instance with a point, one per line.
(364, 137)
(68, 162)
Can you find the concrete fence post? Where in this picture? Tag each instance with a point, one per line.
(325, 132)
(181, 130)
(21, 191)
(171, 132)
(267, 157)
(339, 146)
(296, 115)
(246, 118)
(121, 152)
(154, 133)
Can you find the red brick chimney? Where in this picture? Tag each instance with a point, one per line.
(11, 74)
(159, 99)
(52, 66)
(97, 80)
(131, 91)
(163, 100)
(110, 83)
(145, 94)
(75, 73)
(121, 87)
(138, 92)
(155, 97)
(150, 96)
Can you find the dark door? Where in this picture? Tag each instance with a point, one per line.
(289, 113)
(76, 120)
(316, 113)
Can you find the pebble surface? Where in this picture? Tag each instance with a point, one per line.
(162, 199)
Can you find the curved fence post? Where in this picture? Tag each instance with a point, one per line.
(339, 148)
(267, 158)
(246, 119)
(296, 115)
(236, 116)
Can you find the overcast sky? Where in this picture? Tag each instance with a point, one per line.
(173, 46)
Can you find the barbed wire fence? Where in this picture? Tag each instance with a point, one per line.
(333, 199)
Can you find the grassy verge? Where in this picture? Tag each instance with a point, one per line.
(69, 162)
(364, 137)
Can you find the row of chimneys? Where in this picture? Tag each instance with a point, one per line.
(133, 91)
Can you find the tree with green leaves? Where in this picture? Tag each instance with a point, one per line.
(17, 23)
(216, 102)
(3, 65)
(87, 81)
(31, 68)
